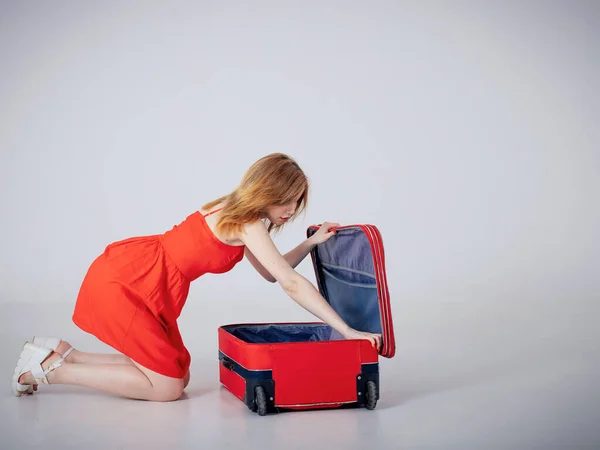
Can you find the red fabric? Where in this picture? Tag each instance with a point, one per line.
(316, 372)
(133, 293)
(389, 343)
(234, 383)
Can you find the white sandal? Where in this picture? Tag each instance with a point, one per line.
(31, 359)
(48, 342)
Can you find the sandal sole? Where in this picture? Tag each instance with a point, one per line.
(28, 352)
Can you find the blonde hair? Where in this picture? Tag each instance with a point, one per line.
(273, 180)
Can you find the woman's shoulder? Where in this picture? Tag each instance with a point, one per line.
(234, 238)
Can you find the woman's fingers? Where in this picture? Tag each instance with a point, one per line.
(377, 341)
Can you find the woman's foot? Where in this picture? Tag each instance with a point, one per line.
(62, 348)
(34, 365)
(28, 379)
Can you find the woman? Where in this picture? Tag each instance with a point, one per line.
(133, 293)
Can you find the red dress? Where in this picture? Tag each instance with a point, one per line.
(134, 292)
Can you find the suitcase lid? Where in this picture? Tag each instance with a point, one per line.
(350, 272)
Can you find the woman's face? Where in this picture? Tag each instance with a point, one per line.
(280, 214)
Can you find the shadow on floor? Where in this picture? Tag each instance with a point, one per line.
(423, 380)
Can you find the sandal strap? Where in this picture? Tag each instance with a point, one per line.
(40, 374)
(67, 353)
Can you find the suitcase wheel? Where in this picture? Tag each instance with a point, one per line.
(371, 393)
(260, 398)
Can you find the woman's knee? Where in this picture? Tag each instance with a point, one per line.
(186, 379)
(163, 388)
(168, 392)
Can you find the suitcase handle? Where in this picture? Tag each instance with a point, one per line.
(227, 363)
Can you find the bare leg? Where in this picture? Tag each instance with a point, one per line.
(126, 380)
(78, 357)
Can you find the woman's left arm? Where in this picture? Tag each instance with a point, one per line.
(296, 255)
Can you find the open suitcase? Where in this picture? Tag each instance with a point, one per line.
(308, 365)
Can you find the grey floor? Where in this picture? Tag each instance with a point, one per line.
(468, 375)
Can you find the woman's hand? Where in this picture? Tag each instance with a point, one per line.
(324, 233)
(355, 334)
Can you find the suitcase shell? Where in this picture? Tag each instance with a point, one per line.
(308, 365)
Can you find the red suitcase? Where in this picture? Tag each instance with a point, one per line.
(308, 365)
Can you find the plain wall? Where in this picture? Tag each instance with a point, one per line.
(466, 131)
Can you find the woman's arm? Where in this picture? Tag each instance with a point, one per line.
(256, 238)
(296, 255)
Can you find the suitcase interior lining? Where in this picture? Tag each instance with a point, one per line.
(283, 333)
(346, 271)
(356, 303)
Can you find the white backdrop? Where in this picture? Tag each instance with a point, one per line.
(467, 133)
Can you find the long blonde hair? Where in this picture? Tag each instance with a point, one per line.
(273, 180)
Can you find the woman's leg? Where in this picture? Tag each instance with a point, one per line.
(126, 380)
(77, 357)
(186, 379)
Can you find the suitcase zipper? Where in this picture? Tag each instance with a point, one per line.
(379, 256)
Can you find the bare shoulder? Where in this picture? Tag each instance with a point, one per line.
(255, 235)
(211, 217)
(256, 228)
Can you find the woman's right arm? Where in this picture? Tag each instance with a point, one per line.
(256, 238)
